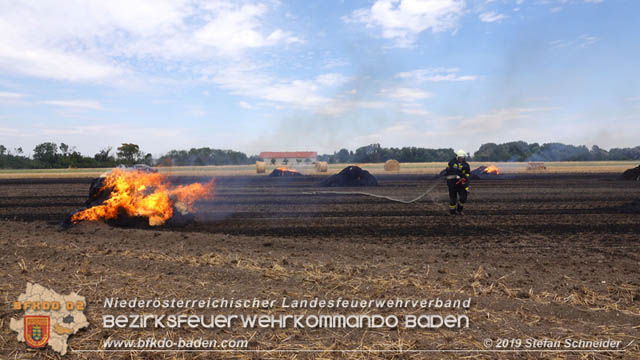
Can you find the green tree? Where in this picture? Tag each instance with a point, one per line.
(103, 156)
(75, 159)
(47, 154)
(129, 153)
(64, 149)
(598, 154)
(343, 156)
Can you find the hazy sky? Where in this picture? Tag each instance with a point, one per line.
(318, 75)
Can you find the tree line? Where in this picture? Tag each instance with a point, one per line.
(206, 156)
(521, 151)
(52, 155)
(511, 151)
(375, 153)
(49, 155)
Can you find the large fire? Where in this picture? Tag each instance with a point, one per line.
(144, 194)
(492, 170)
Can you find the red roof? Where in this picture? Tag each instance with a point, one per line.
(288, 154)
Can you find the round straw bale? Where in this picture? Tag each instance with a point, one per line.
(392, 165)
(321, 166)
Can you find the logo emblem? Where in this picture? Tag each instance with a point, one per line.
(36, 330)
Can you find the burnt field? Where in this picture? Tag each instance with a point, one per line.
(548, 256)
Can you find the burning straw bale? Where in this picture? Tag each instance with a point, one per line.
(480, 173)
(284, 171)
(632, 174)
(392, 165)
(322, 166)
(127, 195)
(350, 176)
(261, 168)
(485, 172)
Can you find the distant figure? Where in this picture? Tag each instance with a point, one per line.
(458, 175)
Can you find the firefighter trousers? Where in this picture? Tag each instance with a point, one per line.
(457, 196)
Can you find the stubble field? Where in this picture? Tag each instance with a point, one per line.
(545, 256)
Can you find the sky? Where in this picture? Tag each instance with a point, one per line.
(318, 76)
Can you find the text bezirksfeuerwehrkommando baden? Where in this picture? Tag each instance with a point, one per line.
(285, 303)
(299, 321)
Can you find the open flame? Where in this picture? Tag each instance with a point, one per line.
(284, 168)
(150, 195)
(492, 169)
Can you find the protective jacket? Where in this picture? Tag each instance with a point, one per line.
(456, 171)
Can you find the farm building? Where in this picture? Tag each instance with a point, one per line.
(289, 157)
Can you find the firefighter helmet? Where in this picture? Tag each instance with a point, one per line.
(461, 153)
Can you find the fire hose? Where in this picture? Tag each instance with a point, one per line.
(374, 195)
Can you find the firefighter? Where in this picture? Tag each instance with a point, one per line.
(458, 175)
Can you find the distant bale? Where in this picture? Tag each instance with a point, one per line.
(392, 165)
(350, 176)
(632, 174)
(536, 166)
(322, 166)
(261, 168)
(284, 172)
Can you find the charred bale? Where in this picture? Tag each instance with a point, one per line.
(478, 173)
(350, 176)
(632, 174)
(98, 193)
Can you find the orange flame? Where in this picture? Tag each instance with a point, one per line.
(150, 195)
(492, 169)
(284, 168)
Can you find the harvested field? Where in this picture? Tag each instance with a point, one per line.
(558, 167)
(544, 256)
